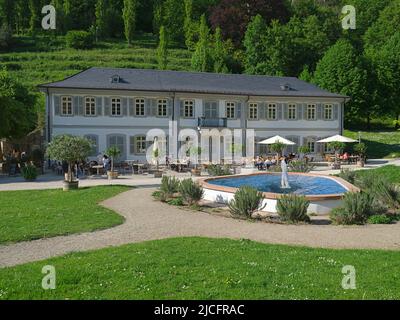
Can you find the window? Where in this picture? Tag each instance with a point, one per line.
(230, 110)
(139, 108)
(188, 109)
(138, 145)
(117, 141)
(328, 112)
(327, 148)
(311, 112)
(116, 107)
(292, 112)
(311, 145)
(90, 106)
(66, 106)
(253, 111)
(272, 111)
(93, 140)
(162, 108)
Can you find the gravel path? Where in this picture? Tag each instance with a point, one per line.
(147, 219)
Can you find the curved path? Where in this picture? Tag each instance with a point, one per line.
(147, 219)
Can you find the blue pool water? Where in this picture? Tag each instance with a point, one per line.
(299, 184)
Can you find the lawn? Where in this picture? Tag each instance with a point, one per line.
(390, 173)
(45, 59)
(28, 215)
(201, 268)
(381, 144)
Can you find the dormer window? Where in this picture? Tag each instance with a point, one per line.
(115, 79)
(286, 87)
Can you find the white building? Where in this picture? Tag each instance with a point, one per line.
(120, 106)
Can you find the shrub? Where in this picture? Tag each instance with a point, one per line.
(300, 166)
(5, 37)
(293, 208)
(246, 201)
(387, 193)
(79, 39)
(361, 150)
(159, 195)
(191, 191)
(169, 185)
(357, 207)
(176, 202)
(380, 219)
(218, 170)
(348, 175)
(29, 172)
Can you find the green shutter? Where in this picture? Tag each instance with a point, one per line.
(57, 105)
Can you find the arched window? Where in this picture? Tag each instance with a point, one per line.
(95, 144)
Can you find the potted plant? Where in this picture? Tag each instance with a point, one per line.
(113, 152)
(69, 149)
(337, 146)
(304, 150)
(361, 150)
(278, 148)
(29, 172)
(156, 155)
(196, 151)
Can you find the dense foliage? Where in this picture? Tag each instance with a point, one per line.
(246, 201)
(293, 208)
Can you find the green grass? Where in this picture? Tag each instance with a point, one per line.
(44, 59)
(381, 144)
(28, 215)
(391, 173)
(200, 268)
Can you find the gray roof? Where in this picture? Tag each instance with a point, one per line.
(190, 82)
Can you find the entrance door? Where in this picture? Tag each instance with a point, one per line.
(211, 110)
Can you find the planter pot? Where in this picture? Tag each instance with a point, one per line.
(336, 166)
(74, 185)
(196, 172)
(112, 175)
(361, 163)
(158, 174)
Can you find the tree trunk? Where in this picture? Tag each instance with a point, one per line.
(368, 122)
(69, 172)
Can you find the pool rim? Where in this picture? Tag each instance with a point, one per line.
(270, 195)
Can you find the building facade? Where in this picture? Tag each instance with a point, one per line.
(121, 106)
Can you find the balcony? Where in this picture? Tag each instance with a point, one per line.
(213, 123)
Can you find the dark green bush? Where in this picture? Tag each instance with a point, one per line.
(216, 170)
(246, 201)
(293, 208)
(387, 193)
(191, 191)
(348, 175)
(169, 185)
(176, 202)
(300, 166)
(357, 208)
(79, 40)
(29, 172)
(380, 219)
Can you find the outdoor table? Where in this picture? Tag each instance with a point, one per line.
(98, 167)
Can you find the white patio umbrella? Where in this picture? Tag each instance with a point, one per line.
(277, 139)
(337, 138)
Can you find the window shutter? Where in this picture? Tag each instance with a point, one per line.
(131, 103)
(125, 106)
(99, 106)
(285, 111)
(335, 111)
(153, 103)
(75, 104)
(57, 105)
(170, 106)
(299, 111)
(262, 110)
(239, 110)
(305, 107)
(320, 113)
(280, 111)
(181, 108)
(107, 106)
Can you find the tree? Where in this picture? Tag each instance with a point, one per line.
(129, 16)
(190, 26)
(341, 70)
(254, 43)
(162, 51)
(35, 11)
(101, 18)
(233, 16)
(171, 15)
(70, 149)
(220, 54)
(7, 9)
(17, 113)
(202, 59)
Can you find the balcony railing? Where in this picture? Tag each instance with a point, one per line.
(213, 123)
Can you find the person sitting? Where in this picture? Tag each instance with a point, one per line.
(259, 163)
